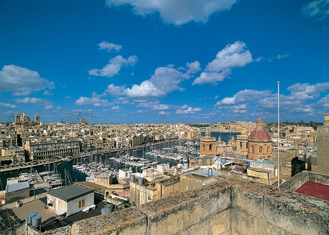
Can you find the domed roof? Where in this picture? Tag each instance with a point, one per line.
(259, 134)
(24, 117)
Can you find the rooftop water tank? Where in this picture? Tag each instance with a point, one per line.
(106, 210)
(29, 217)
(140, 181)
(36, 220)
(103, 211)
(132, 177)
(209, 172)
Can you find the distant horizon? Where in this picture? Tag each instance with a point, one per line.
(197, 61)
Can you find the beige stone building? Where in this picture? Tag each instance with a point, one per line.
(24, 120)
(208, 146)
(71, 199)
(259, 142)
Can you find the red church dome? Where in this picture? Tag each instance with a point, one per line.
(259, 135)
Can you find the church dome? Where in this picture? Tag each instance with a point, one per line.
(259, 134)
(24, 117)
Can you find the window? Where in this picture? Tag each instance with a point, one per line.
(252, 149)
(82, 203)
(260, 149)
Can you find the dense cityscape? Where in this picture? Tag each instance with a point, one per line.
(125, 166)
(178, 117)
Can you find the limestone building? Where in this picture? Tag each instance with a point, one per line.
(323, 146)
(24, 120)
(208, 145)
(259, 142)
(241, 143)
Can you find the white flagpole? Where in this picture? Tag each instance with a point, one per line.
(278, 134)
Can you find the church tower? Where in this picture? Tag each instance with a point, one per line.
(36, 119)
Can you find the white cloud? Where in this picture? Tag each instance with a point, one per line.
(185, 109)
(193, 67)
(323, 102)
(67, 97)
(33, 100)
(22, 81)
(206, 77)
(114, 66)
(233, 55)
(47, 93)
(109, 46)
(8, 106)
(295, 101)
(154, 105)
(243, 97)
(116, 109)
(94, 101)
(176, 12)
(162, 82)
(163, 113)
(317, 8)
(283, 56)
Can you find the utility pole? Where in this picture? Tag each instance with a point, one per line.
(279, 134)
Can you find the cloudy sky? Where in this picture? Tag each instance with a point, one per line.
(155, 61)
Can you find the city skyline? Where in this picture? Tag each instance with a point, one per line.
(164, 61)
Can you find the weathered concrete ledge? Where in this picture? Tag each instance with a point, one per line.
(225, 207)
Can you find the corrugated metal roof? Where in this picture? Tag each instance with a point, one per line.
(70, 192)
(15, 187)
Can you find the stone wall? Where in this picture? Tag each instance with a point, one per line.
(226, 207)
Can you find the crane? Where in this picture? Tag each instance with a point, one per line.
(90, 124)
(82, 120)
(9, 119)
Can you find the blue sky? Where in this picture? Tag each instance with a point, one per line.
(187, 61)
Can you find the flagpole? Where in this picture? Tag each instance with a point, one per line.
(279, 134)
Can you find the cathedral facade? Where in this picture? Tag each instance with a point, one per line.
(24, 120)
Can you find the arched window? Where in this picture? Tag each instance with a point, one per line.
(252, 149)
(241, 145)
(209, 147)
(260, 149)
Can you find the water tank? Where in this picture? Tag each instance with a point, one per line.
(36, 220)
(209, 172)
(132, 177)
(103, 211)
(140, 181)
(106, 210)
(29, 217)
(108, 205)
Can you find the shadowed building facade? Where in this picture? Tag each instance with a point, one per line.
(323, 146)
(208, 145)
(259, 142)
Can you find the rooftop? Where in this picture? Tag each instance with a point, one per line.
(70, 192)
(314, 189)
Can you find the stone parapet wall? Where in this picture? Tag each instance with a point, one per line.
(258, 209)
(225, 207)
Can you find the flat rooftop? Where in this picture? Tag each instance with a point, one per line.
(313, 189)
